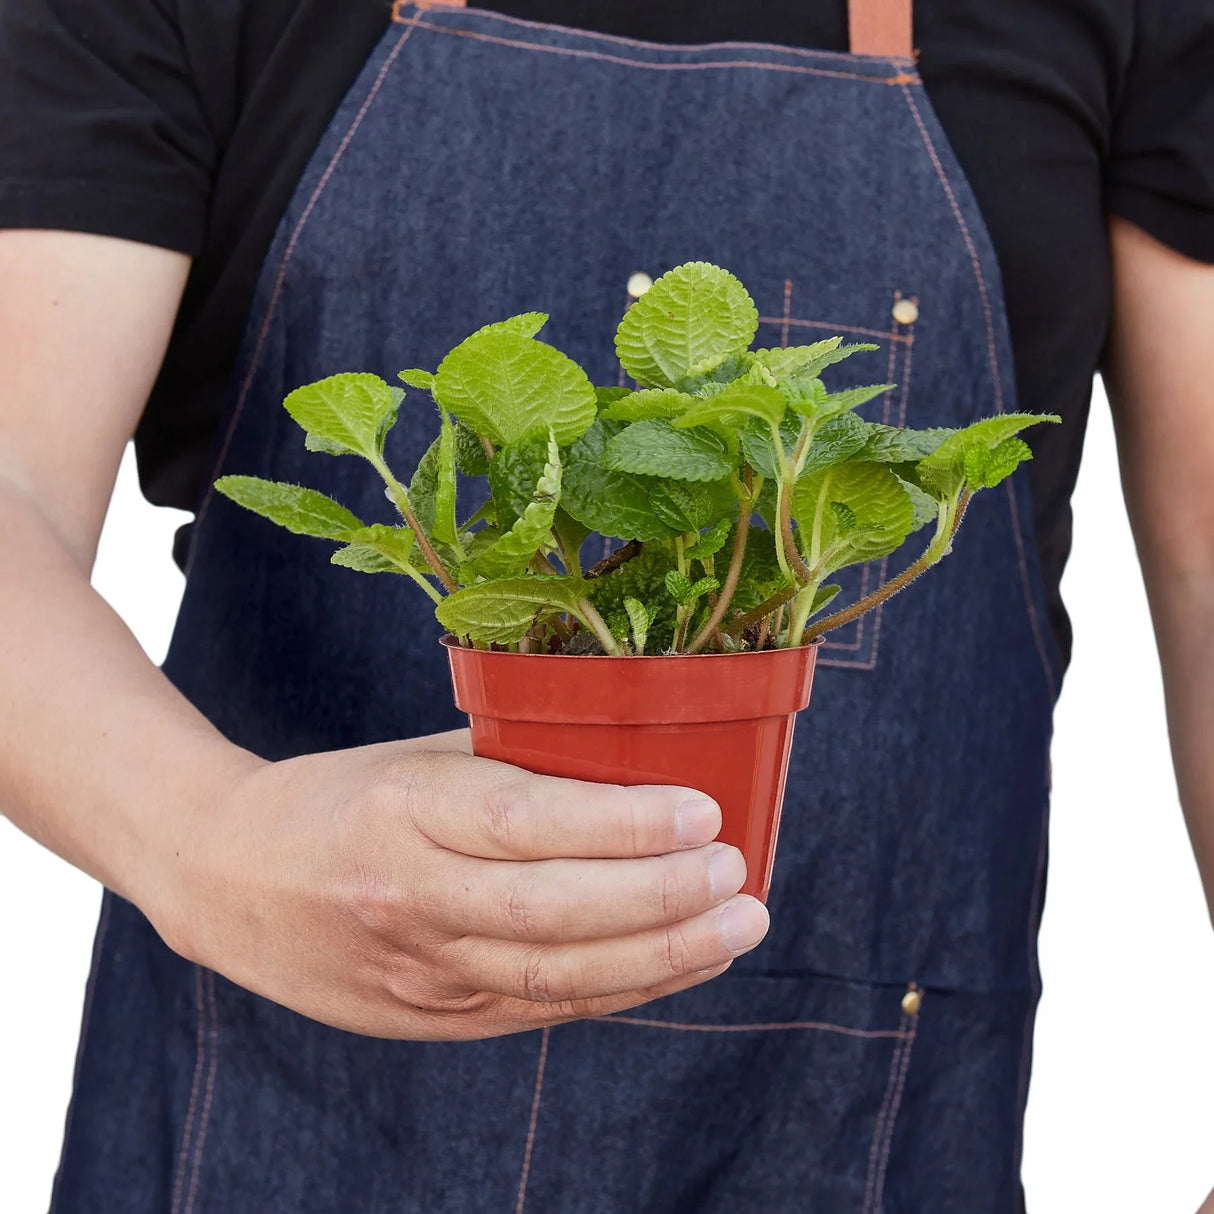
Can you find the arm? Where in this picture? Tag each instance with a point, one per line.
(1162, 396)
(404, 890)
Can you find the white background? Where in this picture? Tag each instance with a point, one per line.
(1121, 1114)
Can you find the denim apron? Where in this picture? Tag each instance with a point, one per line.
(873, 1054)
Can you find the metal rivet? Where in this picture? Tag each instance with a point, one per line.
(906, 312)
(912, 1001)
(638, 284)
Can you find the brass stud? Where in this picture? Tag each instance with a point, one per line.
(906, 312)
(638, 284)
(912, 1001)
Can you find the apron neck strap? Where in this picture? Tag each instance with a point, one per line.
(881, 27)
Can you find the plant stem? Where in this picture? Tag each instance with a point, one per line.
(799, 569)
(731, 584)
(609, 564)
(950, 520)
(571, 563)
(401, 500)
(738, 625)
(421, 581)
(597, 625)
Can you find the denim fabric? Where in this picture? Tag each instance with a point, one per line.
(483, 166)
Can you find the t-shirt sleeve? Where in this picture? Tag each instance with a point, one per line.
(101, 128)
(1160, 171)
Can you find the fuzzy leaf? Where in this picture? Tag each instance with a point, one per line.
(716, 374)
(824, 595)
(734, 404)
(302, 511)
(684, 591)
(759, 450)
(691, 315)
(513, 552)
(656, 448)
(897, 445)
(691, 505)
(513, 475)
(926, 508)
(502, 611)
(505, 385)
(345, 411)
(985, 468)
(818, 404)
(644, 579)
(711, 542)
(415, 377)
(649, 402)
(393, 543)
(638, 618)
(612, 503)
(835, 441)
(470, 456)
(525, 324)
(802, 363)
(423, 488)
(445, 526)
(943, 472)
(364, 559)
(876, 504)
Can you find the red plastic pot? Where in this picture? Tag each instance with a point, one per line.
(721, 723)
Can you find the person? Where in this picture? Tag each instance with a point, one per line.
(341, 971)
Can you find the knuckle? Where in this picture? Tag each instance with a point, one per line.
(677, 955)
(537, 979)
(508, 809)
(522, 916)
(670, 895)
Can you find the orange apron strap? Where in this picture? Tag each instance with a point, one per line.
(881, 27)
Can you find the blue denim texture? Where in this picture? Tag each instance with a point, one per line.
(483, 166)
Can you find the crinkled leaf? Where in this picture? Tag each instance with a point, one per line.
(415, 377)
(943, 472)
(816, 403)
(736, 403)
(638, 619)
(608, 396)
(525, 324)
(985, 468)
(711, 542)
(801, 363)
(839, 439)
(502, 611)
(423, 488)
(684, 591)
(759, 449)
(760, 576)
(691, 505)
(506, 385)
(926, 508)
(303, 511)
(845, 517)
(692, 314)
(656, 448)
(876, 502)
(470, 455)
(612, 503)
(643, 578)
(446, 527)
(513, 475)
(716, 374)
(530, 533)
(393, 543)
(650, 402)
(365, 559)
(345, 411)
(897, 445)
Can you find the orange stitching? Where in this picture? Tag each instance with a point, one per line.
(669, 67)
(195, 1088)
(834, 328)
(272, 307)
(749, 1028)
(879, 1125)
(787, 313)
(879, 1191)
(535, 1113)
(804, 51)
(203, 1121)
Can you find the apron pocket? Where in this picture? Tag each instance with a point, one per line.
(749, 1093)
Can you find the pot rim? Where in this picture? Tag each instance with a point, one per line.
(449, 641)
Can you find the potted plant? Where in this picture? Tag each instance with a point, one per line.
(734, 484)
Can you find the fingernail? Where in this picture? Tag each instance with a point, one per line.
(726, 871)
(743, 923)
(697, 822)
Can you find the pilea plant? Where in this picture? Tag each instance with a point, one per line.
(734, 481)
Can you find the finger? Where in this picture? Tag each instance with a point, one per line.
(551, 901)
(483, 808)
(558, 973)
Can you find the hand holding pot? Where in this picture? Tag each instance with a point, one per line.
(418, 893)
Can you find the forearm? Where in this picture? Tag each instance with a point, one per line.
(101, 759)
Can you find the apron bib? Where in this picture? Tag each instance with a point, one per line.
(483, 166)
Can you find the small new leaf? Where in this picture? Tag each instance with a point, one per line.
(656, 448)
(446, 528)
(347, 411)
(684, 591)
(691, 505)
(837, 440)
(711, 542)
(647, 403)
(734, 404)
(638, 617)
(944, 471)
(692, 315)
(394, 544)
(302, 511)
(415, 377)
(364, 559)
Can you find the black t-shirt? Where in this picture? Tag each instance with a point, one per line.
(187, 124)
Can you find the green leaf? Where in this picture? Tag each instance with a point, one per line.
(377, 549)
(926, 508)
(572, 533)
(513, 475)
(605, 397)
(943, 472)
(711, 542)
(303, 511)
(876, 505)
(649, 402)
(346, 412)
(389, 418)
(423, 488)
(734, 404)
(502, 611)
(691, 505)
(525, 324)
(514, 551)
(986, 467)
(612, 503)
(801, 363)
(716, 374)
(691, 315)
(897, 445)
(759, 450)
(446, 529)
(823, 596)
(684, 591)
(816, 403)
(761, 576)
(638, 617)
(506, 385)
(415, 377)
(470, 455)
(656, 448)
(365, 559)
(835, 441)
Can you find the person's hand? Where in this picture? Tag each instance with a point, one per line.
(404, 892)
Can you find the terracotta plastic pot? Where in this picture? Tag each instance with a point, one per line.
(721, 723)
